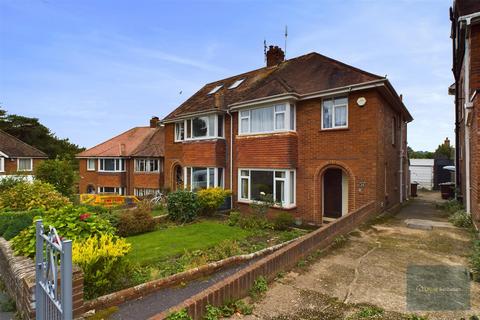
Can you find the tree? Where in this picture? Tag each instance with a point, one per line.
(419, 154)
(31, 131)
(444, 151)
(58, 173)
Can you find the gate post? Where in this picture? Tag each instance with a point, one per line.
(66, 274)
(39, 303)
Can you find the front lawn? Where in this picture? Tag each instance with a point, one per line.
(158, 245)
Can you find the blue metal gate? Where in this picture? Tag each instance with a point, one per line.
(53, 290)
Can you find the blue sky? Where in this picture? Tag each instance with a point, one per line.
(92, 69)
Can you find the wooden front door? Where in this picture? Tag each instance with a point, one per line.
(332, 193)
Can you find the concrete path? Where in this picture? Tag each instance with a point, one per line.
(371, 268)
(162, 300)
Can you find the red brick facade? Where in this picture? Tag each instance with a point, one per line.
(130, 180)
(466, 69)
(11, 166)
(364, 151)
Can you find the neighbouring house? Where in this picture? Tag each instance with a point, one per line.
(465, 34)
(128, 164)
(421, 172)
(320, 136)
(18, 157)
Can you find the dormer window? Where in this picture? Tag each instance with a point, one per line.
(216, 89)
(236, 84)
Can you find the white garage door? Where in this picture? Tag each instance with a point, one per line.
(422, 175)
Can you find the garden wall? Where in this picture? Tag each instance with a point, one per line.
(238, 285)
(18, 273)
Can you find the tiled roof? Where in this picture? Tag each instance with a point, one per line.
(14, 147)
(465, 7)
(138, 141)
(302, 75)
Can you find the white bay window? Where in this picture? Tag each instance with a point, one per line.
(276, 118)
(147, 165)
(335, 113)
(253, 183)
(202, 127)
(202, 178)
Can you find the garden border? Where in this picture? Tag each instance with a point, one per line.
(132, 293)
(237, 286)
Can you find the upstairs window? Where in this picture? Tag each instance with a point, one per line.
(90, 164)
(275, 118)
(147, 165)
(236, 84)
(25, 164)
(335, 113)
(203, 127)
(111, 165)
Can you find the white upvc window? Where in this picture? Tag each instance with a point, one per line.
(25, 164)
(112, 190)
(91, 164)
(111, 165)
(202, 127)
(273, 118)
(202, 178)
(2, 164)
(144, 192)
(335, 113)
(279, 183)
(147, 165)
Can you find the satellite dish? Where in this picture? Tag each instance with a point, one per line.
(361, 101)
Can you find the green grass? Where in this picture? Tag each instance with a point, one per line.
(158, 245)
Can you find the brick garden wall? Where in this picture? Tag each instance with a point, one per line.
(18, 273)
(238, 285)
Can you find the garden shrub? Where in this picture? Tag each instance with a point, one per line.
(101, 259)
(135, 221)
(71, 223)
(211, 199)
(9, 182)
(475, 260)
(260, 207)
(182, 206)
(283, 221)
(35, 195)
(260, 286)
(11, 223)
(59, 173)
(461, 219)
(250, 222)
(233, 218)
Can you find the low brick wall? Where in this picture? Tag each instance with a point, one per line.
(238, 285)
(18, 273)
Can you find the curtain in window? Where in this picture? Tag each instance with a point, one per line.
(262, 119)
(340, 116)
(327, 113)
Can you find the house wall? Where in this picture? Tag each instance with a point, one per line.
(363, 151)
(128, 179)
(11, 166)
(475, 127)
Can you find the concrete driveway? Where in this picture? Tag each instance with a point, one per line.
(371, 268)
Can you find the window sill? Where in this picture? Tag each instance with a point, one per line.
(334, 129)
(199, 140)
(286, 207)
(146, 172)
(263, 134)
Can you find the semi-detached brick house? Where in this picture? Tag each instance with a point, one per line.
(18, 157)
(321, 136)
(465, 17)
(128, 164)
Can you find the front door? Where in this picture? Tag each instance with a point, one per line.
(332, 193)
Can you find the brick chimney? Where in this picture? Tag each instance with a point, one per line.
(275, 55)
(154, 122)
(447, 142)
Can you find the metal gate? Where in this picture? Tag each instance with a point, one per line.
(53, 290)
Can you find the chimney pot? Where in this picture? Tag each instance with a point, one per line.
(154, 122)
(275, 56)
(447, 142)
